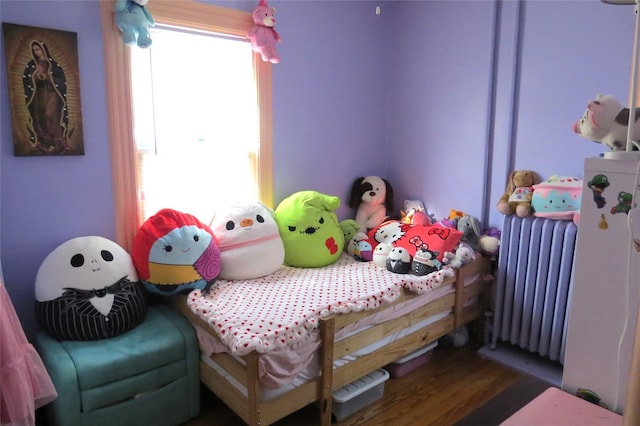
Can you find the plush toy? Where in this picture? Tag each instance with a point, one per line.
(470, 229)
(517, 197)
(309, 228)
(175, 253)
(133, 20)
(464, 254)
(456, 214)
(349, 229)
(399, 261)
(88, 289)
(607, 121)
(262, 35)
(425, 262)
(360, 248)
(249, 240)
(489, 242)
(559, 197)
(381, 253)
(415, 213)
(372, 197)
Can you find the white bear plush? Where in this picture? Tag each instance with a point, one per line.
(250, 243)
(463, 255)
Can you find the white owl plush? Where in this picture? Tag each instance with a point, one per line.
(250, 243)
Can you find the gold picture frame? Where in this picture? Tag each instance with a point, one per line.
(44, 90)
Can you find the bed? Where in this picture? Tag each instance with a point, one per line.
(334, 341)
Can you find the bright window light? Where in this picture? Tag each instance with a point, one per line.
(196, 122)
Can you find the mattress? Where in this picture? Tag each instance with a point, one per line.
(278, 315)
(287, 367)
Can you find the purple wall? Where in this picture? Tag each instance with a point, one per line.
(496, 87)
(417, 94)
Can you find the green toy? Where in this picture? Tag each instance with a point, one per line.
(349, 229)
(310, 230)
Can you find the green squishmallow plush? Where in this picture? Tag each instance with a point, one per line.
(309, 228)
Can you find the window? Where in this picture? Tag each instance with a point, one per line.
(195, 122)
(133, 164)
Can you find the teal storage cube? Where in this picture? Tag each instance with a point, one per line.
(148, 375)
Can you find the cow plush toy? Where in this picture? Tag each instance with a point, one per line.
(607, 121)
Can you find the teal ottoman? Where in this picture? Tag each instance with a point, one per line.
(146, 376)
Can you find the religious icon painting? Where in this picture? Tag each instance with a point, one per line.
(44, 90)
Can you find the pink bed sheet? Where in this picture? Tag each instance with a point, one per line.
(278, 315)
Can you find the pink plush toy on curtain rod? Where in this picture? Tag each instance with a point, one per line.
(262, 35)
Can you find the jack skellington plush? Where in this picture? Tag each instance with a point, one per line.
(87, 289)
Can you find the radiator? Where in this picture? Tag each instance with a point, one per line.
(535, 266)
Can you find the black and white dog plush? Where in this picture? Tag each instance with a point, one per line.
(372, 196)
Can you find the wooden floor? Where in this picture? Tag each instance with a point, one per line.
(453, 384)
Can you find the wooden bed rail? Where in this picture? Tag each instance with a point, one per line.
(467, 302)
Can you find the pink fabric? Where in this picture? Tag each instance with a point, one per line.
(556, 407)
(281, 366)
(25, 382)
(284, 308)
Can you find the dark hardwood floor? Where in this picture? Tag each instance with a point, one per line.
(454, 383)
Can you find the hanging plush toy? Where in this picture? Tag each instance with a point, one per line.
(133, 19)
(262, 35)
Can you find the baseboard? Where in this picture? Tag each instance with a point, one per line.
(525, 362)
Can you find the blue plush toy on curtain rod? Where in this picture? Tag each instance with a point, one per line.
(133, 19)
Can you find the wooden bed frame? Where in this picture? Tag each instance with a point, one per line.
(467, 302)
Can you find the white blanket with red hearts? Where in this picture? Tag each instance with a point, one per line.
(284, 308)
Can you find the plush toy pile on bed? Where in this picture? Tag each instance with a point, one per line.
(419, 249)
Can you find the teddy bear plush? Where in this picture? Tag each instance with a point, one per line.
(372, 197)
(606, 121)
(133, 20)
(517, 196)
(262, 35)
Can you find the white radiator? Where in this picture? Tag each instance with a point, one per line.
(535, 271)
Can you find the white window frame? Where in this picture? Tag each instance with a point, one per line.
(124, 163)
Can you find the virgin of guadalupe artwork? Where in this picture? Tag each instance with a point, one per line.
(44, 91)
